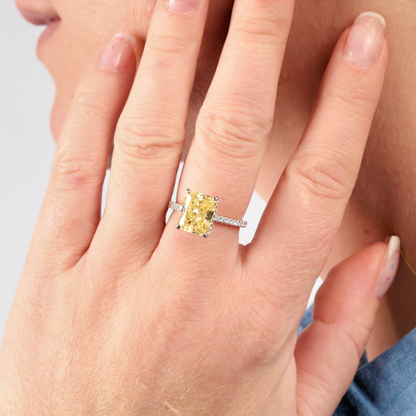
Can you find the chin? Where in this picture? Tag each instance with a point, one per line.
(56, 121)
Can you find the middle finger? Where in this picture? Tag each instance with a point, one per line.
(237, 116)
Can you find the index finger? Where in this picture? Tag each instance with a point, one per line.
(305, 211)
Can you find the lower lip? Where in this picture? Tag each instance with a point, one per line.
(47, 33)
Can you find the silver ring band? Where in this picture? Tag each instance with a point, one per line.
(217, 218)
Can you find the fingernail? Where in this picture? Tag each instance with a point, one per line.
(117, 54)
(182, 6)
(389, 267)
(365, 39)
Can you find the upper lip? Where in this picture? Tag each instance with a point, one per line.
(37, 17)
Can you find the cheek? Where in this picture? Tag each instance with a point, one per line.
(80, 38)
(88, 25)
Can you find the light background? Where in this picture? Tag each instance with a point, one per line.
(27, 148)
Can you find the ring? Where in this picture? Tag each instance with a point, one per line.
(198, 214)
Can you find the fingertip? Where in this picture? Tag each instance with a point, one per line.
(118, 54)
(388, 267)
(365, 40)
(349, 286)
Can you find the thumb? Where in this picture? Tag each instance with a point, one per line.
(328, 351)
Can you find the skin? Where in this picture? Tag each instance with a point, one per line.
(382, 200)
(77, 305)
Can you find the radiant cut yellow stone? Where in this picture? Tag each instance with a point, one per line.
(197, 215)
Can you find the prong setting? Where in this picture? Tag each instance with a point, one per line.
(199, 212)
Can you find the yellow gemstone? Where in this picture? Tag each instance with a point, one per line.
(197, 215)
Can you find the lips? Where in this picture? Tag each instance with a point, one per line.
(46, 17)
(39, 18)
(47, 33)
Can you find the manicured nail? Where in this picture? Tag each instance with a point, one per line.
(365, 39)
(117, 54)
(182, 6)
(389, 267)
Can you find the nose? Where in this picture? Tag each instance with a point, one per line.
(38, 12)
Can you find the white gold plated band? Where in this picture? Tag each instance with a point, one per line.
(217, 218)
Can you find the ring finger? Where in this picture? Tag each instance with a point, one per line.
(151, 131)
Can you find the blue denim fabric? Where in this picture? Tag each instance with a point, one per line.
(384, 387)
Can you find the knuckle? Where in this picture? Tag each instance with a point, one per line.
(353, 98)
(271, 18)
(136, 140)
(73, 171)
(358, 333)
(87, 100)
(172, 43)
(350, 337)
(235, 134)
(324, 177)
(268, 30)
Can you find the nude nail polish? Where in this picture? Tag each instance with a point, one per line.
(389, 267)
(365, 39)
(117, 54)
(182, 6)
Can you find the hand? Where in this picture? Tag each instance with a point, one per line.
(126, 315)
